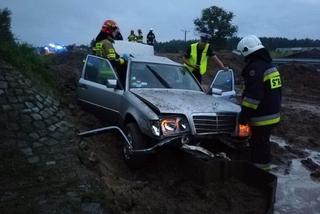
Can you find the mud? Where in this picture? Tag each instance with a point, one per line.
(170, 183)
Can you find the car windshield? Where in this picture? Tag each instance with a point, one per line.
(150, 75)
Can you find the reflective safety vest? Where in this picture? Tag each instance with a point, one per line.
(193, 58)
(262, 95)
(132, 38)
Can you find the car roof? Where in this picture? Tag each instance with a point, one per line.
(133, 48)
(140, 52)
(154, 59)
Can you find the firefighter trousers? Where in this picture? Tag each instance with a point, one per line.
(260, 144)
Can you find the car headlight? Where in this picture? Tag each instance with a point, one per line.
(155, 128)
(173, 125)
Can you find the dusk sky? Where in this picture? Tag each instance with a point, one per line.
(40, 22)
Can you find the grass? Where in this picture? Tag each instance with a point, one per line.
(36, 67)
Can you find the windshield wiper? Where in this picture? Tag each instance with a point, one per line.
(162, 81)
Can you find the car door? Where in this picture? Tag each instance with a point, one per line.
(223, 84)
(99, 87)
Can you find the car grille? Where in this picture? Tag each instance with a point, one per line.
(221, 123)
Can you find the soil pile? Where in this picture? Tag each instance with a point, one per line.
(312, 54)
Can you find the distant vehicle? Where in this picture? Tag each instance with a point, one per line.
(52, 49)
(157, 102)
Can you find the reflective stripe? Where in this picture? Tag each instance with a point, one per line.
(271, 72)
(267, 167)
(98, 45)
(98, 49)
(249, 105)
(111, 56)
(265, 120)
(250, 102)
(204, 60)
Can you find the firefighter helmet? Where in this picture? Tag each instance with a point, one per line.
(249, 44)
(109, 26)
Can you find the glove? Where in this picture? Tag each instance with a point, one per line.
(125, 57)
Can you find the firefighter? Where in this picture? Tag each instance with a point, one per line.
(140, 36)
(261, 98)
(132, 37)
(104, 46)
(104, 42)
(196, 57)
(151, 38)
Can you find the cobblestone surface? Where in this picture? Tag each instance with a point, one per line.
(40, 170)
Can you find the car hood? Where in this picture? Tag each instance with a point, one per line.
(184, 101)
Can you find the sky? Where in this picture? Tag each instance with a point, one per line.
(39, 22)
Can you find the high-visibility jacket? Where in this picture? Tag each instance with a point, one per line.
(193, 58)
(261, 100)
(132, 38)
(139, 38)
(106, 50)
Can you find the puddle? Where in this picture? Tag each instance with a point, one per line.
(296, 191)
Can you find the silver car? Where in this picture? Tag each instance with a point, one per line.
(156, 101)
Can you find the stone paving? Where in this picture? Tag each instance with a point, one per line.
(40, 169)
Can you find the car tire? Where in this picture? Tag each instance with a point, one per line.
(138, 141)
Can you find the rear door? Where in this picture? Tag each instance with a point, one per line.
(94, 90)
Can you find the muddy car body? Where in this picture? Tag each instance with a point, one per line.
(156, 101)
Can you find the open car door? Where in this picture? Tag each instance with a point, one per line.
(223, 84)
(99, 86)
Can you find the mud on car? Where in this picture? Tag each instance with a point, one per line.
(155, 102)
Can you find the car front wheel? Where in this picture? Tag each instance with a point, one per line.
(138, 142)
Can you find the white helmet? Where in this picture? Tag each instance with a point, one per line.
(249, 44)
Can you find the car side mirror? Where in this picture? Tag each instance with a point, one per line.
(112, 83)
(216, 91)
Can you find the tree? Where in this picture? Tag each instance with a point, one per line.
(217, 23)
(6, 35)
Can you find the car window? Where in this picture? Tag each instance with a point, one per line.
(98, 70)
(151, 75)
(223, 81)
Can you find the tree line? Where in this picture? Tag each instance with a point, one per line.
(271, 43)
(217, 23)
